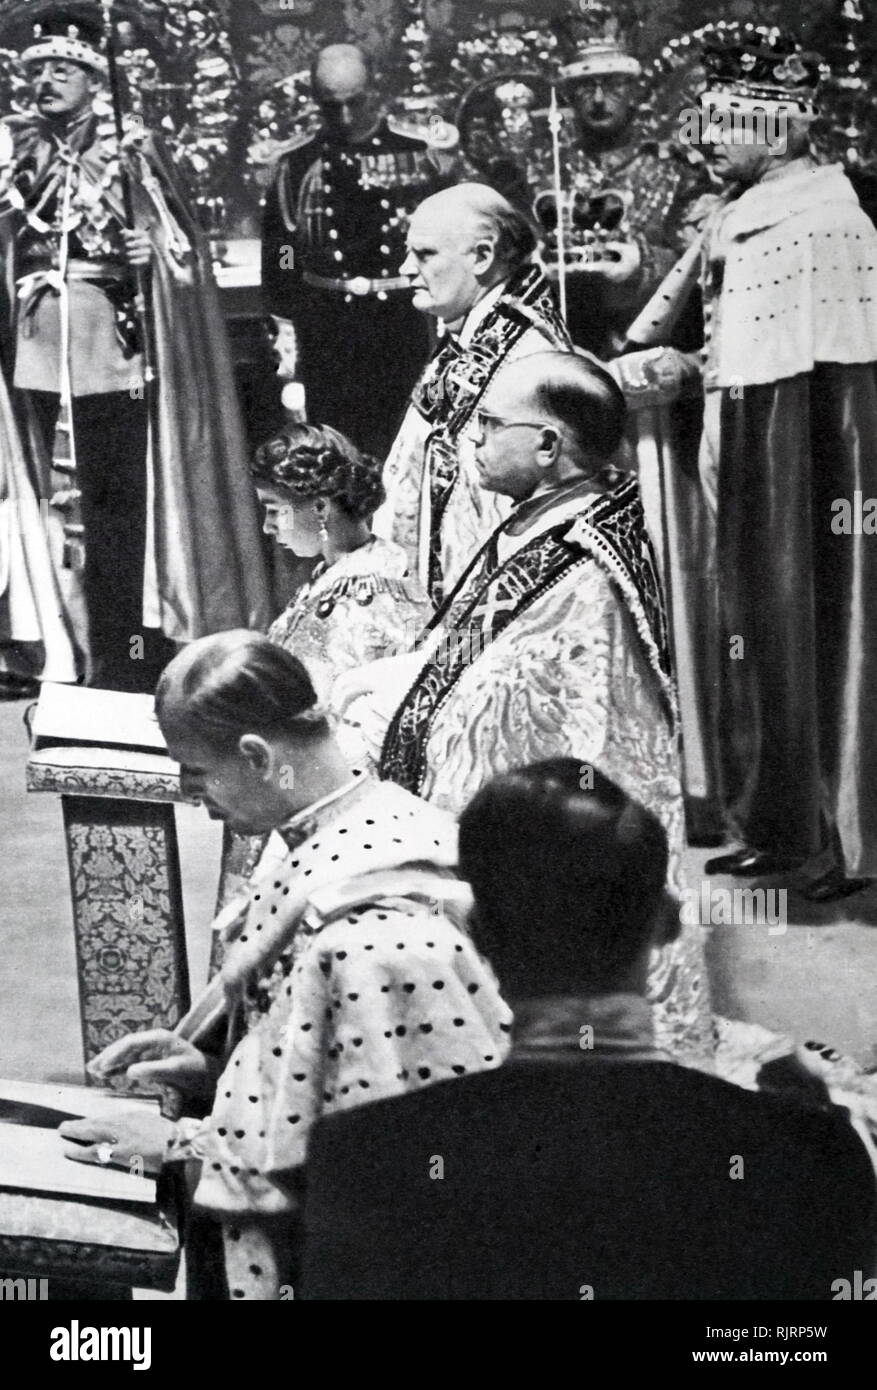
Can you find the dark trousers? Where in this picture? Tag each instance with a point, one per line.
(110, 433)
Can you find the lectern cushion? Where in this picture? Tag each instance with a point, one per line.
(123, 773)
(95, 1242)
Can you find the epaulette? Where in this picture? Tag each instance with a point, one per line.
(437, 135)
(296, 142)
(18, 133)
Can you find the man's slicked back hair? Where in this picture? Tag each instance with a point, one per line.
(579, 393)
(237, 683)
(514, 238)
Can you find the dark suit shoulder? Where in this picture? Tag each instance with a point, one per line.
(300, 144)
(664, 1095)
(644, 1180)
(295, 159)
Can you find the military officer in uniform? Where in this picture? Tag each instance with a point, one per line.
(160, 538)
(332, 243)
(655, 178)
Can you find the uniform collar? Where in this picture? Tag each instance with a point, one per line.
(375, 136)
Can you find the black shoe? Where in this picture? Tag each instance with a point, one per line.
(749, 863)
(833, 885)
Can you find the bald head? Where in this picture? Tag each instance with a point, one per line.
(546, 419)
(474, 211)
(575, 391)
(461, 242)
(342, 80)
(341, 63)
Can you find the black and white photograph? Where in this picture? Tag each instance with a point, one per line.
(438, 663)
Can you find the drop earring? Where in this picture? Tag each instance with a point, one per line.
(324, 534)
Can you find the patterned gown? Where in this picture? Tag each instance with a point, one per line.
(366, 605)
(553, 646)
(435, 505)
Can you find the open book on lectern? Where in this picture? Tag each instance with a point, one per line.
(110, 718)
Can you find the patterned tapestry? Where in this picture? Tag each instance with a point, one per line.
(269, 40)
(273, 38)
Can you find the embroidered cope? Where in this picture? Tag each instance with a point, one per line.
(435, 506)
(560, 649)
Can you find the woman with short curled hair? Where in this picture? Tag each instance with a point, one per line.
(362, 601)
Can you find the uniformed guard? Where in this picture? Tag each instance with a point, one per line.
(626, 182)
(610, 159)
(146, 468)
(333, 241)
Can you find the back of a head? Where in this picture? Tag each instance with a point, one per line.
(580, 394)
(514, 237)
(233, 683)
(568, 874)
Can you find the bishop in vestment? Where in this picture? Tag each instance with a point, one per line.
(469, 262)
(553, 641)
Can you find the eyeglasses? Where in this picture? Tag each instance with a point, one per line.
(483, 419)
(56, 69)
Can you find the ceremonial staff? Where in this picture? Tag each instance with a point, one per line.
(142, 302)
(555, 120)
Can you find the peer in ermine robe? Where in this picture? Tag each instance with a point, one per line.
(791, 419)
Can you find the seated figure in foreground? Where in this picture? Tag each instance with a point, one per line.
(590, 1165)
(363, 982)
